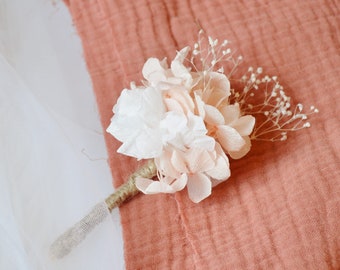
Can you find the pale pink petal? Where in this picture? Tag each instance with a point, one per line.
(213, 115)
(164, 165)
(192, 161)
(244, 125)
(229, 138)
(230, 113)
(198, 160)
(153, 70)
(243, 151)
(199, 187)
(182, 97)
(206, 142)
(215, 182)
(221, 169)
(148, 186)
(173, 105)
(178, 161)
(199, 104)
(219, 88)
(180, 182)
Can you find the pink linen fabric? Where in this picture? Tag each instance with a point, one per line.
(281, 207)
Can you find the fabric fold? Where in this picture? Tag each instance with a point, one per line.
(279, 208)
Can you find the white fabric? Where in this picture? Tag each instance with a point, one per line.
(53, 167)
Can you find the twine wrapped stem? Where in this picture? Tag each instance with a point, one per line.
(129, 189)
(76, 234)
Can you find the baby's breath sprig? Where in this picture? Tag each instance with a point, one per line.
(275, 110)
(211, 55)
(259, 95)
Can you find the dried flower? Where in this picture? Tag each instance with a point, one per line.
(187, 117)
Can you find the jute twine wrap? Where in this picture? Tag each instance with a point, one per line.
(76, 234)
(129, 189)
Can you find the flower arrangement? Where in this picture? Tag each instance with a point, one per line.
(188, 120)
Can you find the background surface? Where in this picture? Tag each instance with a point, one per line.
(53, 165)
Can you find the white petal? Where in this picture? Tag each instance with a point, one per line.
(230, 113)
(147, 144)
(243, 151)
(244, 125)
(199, 187)
(129, 101)
(171, 126)
(229, 138)
(181, 71)
(153, 70)
(137, 114)
(152, 107)
(122, 129)
(180, 56)
(213, 115)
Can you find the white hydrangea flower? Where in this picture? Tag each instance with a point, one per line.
(136, 122)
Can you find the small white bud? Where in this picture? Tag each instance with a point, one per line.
(220, 70)
(259, 70)
(225, 42)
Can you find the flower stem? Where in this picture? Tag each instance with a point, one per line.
(128, 190)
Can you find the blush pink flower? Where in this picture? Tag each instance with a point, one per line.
(224, 121)
(228, 127)
(197, 169)
(212, 87)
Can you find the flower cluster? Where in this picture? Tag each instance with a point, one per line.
(189, 120)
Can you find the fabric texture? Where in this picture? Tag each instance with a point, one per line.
(281, 207)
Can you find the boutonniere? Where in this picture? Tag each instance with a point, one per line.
(189, 119)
